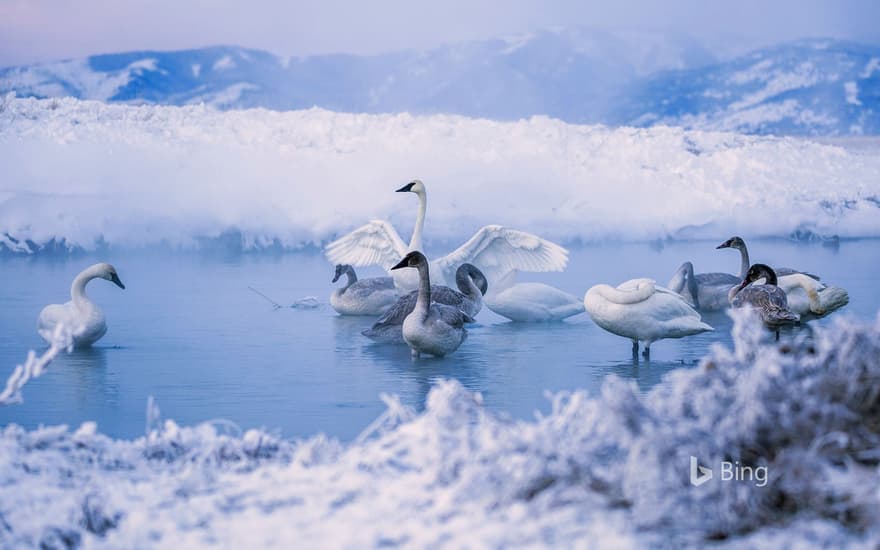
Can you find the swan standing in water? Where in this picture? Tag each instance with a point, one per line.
(82, 316)
(472, 285)
(494, 249)
(531, 302)
(643, 312)
(767, 299)
(371, 296)
(436, 329)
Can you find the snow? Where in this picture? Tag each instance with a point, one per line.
(127, 175)
(610, 469)
(196, 69)
(42, 80)
(804, 76)
(223, 63)
(851, 89)
(873, 65)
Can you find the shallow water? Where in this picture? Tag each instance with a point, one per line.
(189, 332)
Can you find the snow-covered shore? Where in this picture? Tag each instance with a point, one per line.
(88, 174)
(612, 470)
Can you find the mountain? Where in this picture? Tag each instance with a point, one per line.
(578, 75)
(813, 87)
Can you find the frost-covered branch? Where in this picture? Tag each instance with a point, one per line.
(33, 367)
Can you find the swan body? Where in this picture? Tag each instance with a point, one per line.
(468, 298)
(494, 249)
(431, 328)
(809, 298)
(643, 312)
(532, 302)
(371, 296)
(83, 317)
(704, 291)
(767, 299)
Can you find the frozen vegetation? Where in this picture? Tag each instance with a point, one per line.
(611, 469)
(86, 174)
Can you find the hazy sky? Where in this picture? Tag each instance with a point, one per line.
(37, 30)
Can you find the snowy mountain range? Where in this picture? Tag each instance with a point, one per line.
(812, 87)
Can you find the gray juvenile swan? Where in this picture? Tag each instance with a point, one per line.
(371, 296)
(705, 291)
(739, 244)
(472, 285)
(80, 315)
(435, 329)
(767, 299)
(494, 249)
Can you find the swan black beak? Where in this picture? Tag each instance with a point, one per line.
(402, 263)
(335, 278)
(725, 244)
(406, 188)
(115, 278)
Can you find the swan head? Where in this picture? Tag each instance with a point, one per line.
(108, 272)
(466, 270)
(733, 242)
(758, 272)
(415, 186)
(413, 259)
(341, 269)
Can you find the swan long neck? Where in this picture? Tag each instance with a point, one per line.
(416, 242)
(352, 278)
(744, 261)
(78, 288)
(423, 302)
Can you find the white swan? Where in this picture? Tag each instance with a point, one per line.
(809, 298)
(643, 312)
(371, 296)
(472, 285)
(494, 249)
(531, 302)
(431, 328)
(82, 316)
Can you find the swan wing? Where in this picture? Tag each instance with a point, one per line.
(497, 250)
(375, 243)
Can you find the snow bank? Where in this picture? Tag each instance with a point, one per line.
(88, 174)
(612, 469)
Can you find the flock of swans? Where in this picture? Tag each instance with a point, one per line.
(432, 318)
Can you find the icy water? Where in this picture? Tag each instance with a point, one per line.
(188, 331)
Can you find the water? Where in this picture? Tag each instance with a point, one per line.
(189, 332)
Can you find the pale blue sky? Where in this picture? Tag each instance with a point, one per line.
(36, 30)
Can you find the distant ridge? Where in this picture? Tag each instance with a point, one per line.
(806, 87)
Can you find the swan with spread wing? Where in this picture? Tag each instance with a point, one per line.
(494, 250)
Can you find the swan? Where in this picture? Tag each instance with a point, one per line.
(529, 302)
(371, 296)
(767, 299)
(704, 291)
(468, 298)
(83, 317)
(739, 244)
(494, 249)
(435, 329)
(643, 312)
(809, 298)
